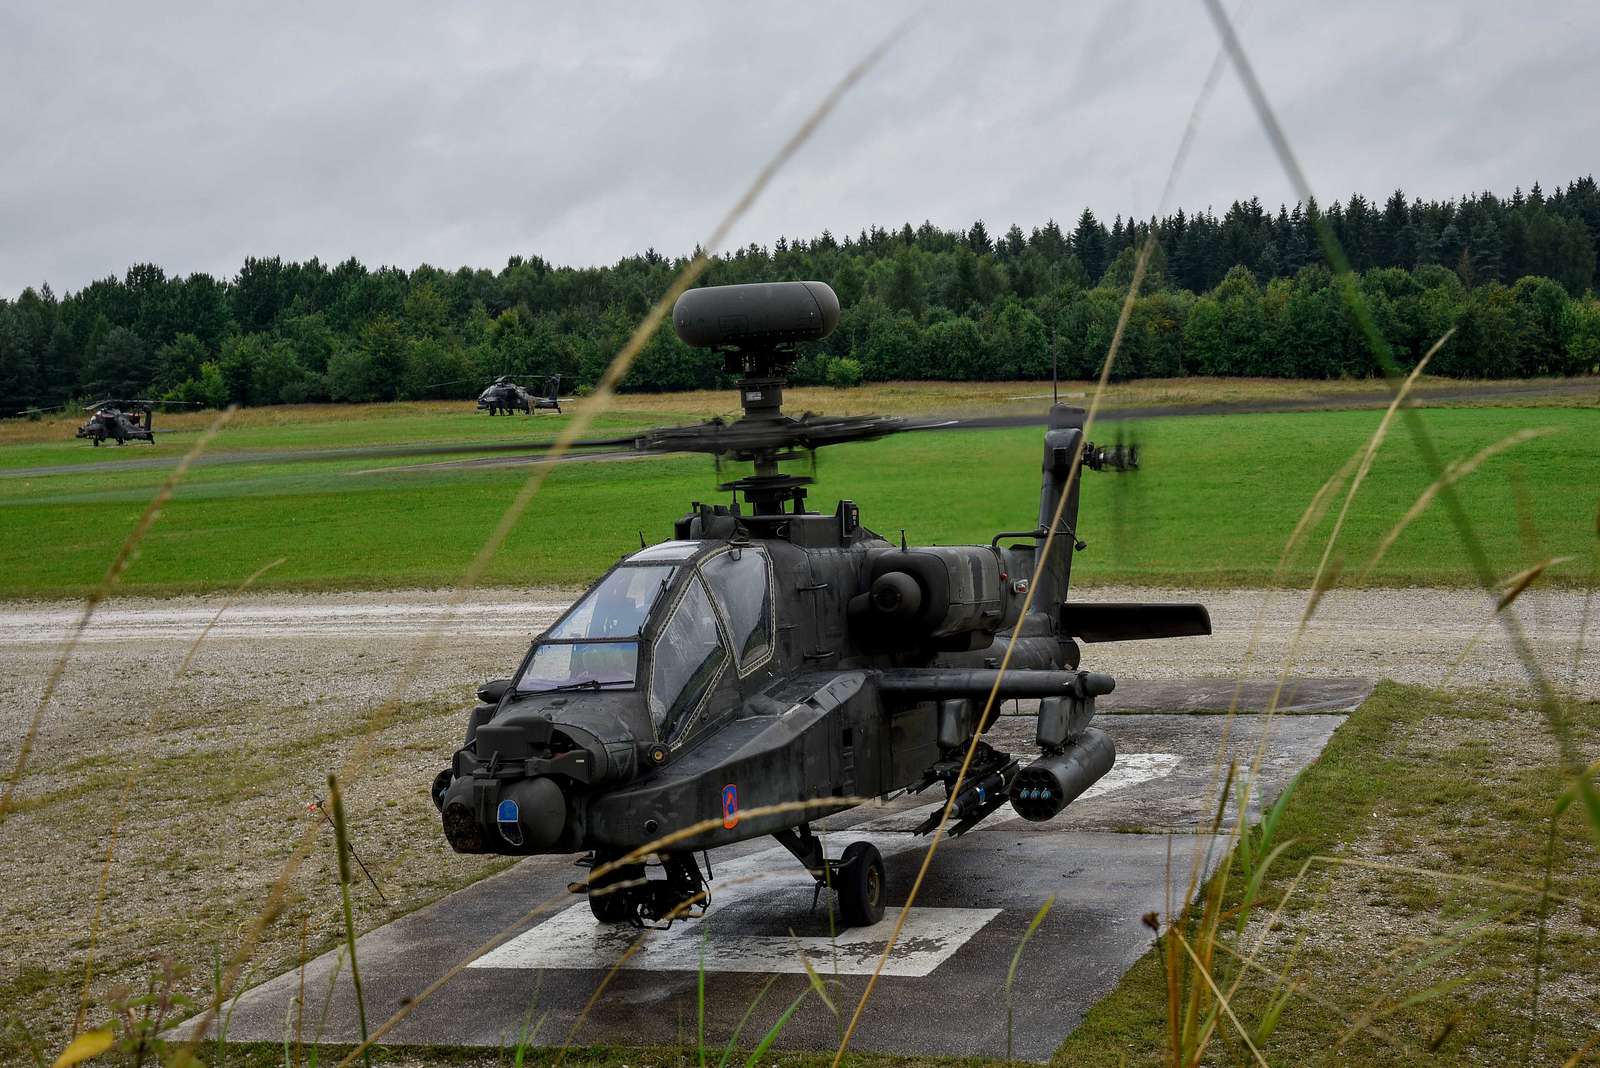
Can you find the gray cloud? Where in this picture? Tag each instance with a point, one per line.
(192, 137)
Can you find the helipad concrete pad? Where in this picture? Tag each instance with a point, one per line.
(1125, 849)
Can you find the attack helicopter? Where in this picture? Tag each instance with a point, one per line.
(504, 395)
(767, 653)
(121, 421)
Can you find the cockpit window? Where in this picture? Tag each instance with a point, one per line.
(596, 644)
(740, 583)
(667, 550)
(617, 607)
(687, 658)
(580, 665)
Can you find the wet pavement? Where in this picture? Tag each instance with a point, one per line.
(1126, 848)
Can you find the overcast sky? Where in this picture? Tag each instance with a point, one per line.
(195, 136)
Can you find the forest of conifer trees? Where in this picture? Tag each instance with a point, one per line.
(1243, 293)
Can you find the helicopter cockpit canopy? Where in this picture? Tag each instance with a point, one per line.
(701, 607)
(596, 644)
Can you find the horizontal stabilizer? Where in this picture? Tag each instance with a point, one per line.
(1131, 621)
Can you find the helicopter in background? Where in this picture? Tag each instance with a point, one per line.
(504, 395)
(121, 421)
(768, 654)
(113, 419)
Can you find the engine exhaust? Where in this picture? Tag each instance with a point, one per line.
(1049, 784)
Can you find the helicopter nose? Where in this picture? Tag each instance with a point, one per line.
(531, 813)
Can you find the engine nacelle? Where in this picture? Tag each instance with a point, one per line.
(951, 598)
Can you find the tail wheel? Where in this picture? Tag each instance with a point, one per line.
(860, 881)
(615, 905)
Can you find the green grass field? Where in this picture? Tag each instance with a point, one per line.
(1214, 505)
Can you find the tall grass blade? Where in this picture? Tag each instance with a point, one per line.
(1591, 804)
(300, 997)
(1432, 993)
(1551, 705)
(1016, 958)
(85, 1047)
(817, 985)
(1452, 474)
(1274, 813)
(227, 1022)
(1519, 582)
(526, 1037)
(342, 843)
(1252, 888)
(1373, 445)
(327, 1005)
(754, 1060)
(1222, 1000)
(1513, 588)
(749, 1011)
(1453, 941)
(700, 998)
(1582, 1052)
(1273, 1013)
(1588, 605)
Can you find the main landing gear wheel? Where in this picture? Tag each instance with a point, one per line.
(858, 878)
(627, 894)
(615, 905)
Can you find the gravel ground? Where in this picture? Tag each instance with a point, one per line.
(335, 654)
(283, 688)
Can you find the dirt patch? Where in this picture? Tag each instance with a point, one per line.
(1472, 804)
(223, 763)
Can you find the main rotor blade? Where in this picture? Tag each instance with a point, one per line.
(1376, 398)
(528, 449)
(586, 456)
(814, 431)
(403, 452)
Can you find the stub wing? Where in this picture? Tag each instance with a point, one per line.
(1125, 621)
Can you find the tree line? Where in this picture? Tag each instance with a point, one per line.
(1243, 293)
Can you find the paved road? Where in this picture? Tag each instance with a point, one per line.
(1121, 851)
(517, 453)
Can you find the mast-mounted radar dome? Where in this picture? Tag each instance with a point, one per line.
(762, 315)
(757, 327)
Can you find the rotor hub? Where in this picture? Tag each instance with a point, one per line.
(757, 328)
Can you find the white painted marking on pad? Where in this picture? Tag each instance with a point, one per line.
(757, 898)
